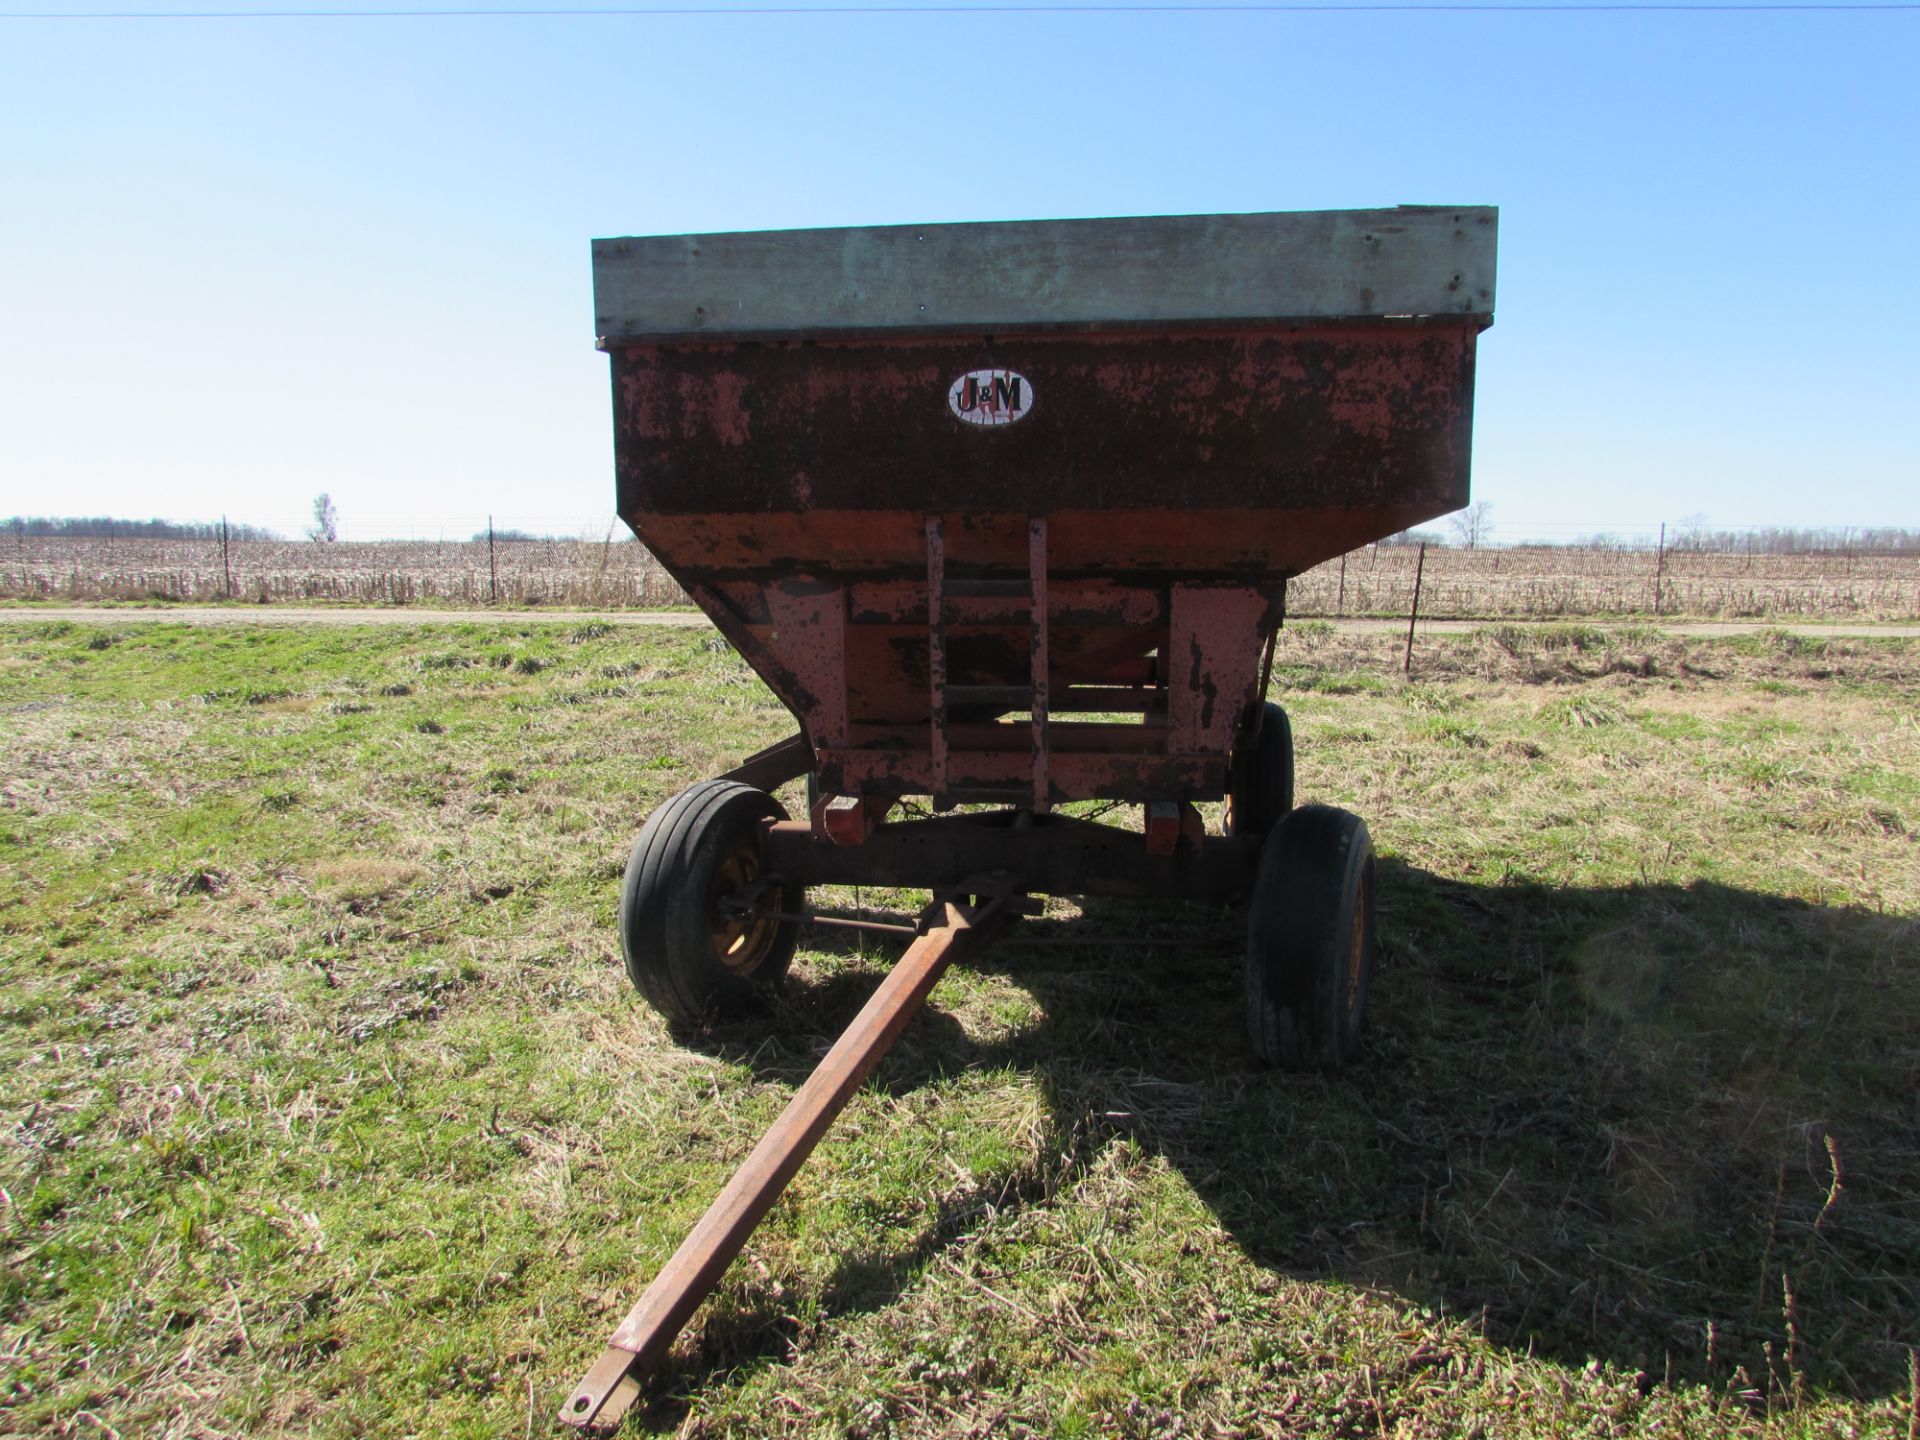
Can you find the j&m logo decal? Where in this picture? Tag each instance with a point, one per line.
(991, 397)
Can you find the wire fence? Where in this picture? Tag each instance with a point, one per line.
(1519, 582)
(595, 574)
(1541, 582)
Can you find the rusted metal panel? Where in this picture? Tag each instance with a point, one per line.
(1069, 603)
(1212, 662)
(808, 636)
(1341, 421)
(1158, 543)
(871, 698)
(999, 276)
(887, 679)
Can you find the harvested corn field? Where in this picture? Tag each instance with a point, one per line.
(1538, 582)
(609, 571)
(1551, 582)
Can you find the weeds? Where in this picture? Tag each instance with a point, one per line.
(1581, 712)
(331, 1113)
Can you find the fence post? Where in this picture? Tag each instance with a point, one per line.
(1413, 611)
(493, 571)
(1340, 605)
(1660, 567)
(226, 556)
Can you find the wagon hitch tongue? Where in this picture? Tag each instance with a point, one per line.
(957, 925)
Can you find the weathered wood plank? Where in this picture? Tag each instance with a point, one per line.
(1305, 265)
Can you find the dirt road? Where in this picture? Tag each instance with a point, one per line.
(328, 615)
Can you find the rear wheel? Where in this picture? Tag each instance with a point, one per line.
(1262, 785)
(697, 926)
(1310, 940)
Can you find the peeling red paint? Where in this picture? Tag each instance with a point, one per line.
(1165, 486)
(727, 406)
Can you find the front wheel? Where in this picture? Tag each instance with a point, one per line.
(698, 929)
(1310, 940)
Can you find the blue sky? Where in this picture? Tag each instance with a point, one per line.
(245, 261)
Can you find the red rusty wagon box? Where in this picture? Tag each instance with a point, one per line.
(1005, 515)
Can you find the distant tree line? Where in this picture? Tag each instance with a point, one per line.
(1770, 540)
(505, 535)
(1472, 529)
(1792, 540)
(104, 527)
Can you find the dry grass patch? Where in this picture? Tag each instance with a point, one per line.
(370, 1138)
(359, 883)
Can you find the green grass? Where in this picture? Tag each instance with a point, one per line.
(330, 1112)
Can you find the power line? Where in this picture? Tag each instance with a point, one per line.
(1281, 7)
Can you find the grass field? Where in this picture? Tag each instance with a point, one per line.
(330, 1112)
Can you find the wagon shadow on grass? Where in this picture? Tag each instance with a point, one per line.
(1613, 1123)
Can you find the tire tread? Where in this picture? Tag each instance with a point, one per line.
(665, 941)
(1311, 871)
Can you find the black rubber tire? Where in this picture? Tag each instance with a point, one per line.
(700, 846)
(1262, 785)
(1310, 940)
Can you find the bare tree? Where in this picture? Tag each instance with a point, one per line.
(326, 519)
(1473, 526)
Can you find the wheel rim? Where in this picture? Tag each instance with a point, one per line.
(1357, 942)
(742, 942)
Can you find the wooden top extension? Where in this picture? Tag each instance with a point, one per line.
(1317, 265)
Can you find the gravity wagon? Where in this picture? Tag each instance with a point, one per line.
(1004, 514)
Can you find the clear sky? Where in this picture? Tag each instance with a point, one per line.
(244, 261)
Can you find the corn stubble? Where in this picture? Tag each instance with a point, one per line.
(1520, 583)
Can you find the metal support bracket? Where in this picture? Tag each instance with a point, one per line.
(1172, 826)
(772, 767)
(849, 819)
